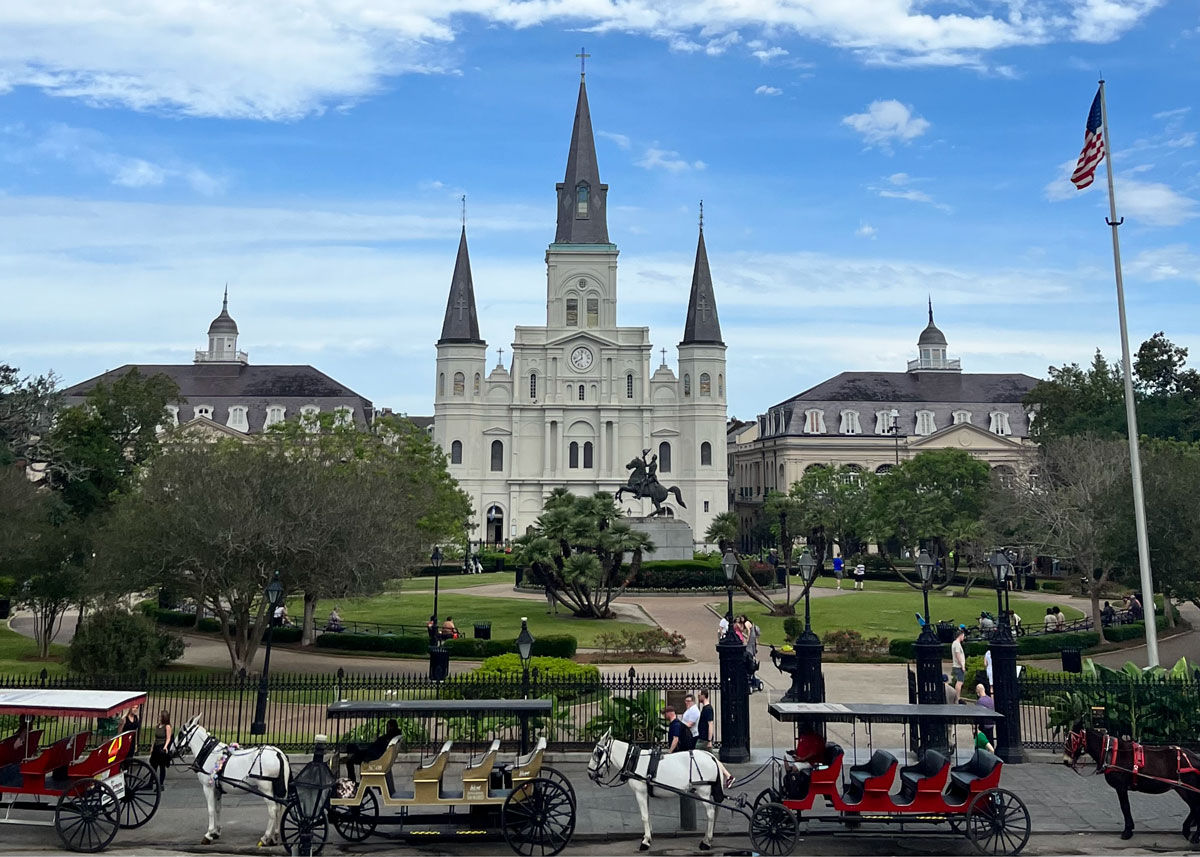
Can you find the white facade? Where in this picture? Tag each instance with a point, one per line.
(578, 400)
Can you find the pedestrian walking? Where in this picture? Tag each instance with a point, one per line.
(860, 576)
(704, 727)
(551, 601)
(838, 564)
(691, 717)
(160, 757)
(958, 657)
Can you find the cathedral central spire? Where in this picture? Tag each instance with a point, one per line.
(582, 199)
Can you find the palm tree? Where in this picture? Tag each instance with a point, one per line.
(723, 530)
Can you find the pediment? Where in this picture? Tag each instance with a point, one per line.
(573, 337)
(665, 432)
(497, 430)
(965, 436)
(203, 427)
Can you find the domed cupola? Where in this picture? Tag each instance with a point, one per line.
(222, 338)
(931, 350)
(224, 322)
(931, 335)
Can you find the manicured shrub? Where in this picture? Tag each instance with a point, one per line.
(114, 641)
(565, 680)
(650, 641)
(852, 643)
(1038, 644)
(286, 634)
(692, 574)
(405, 645)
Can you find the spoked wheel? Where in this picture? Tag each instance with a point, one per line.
(86, 817)
(294, 829)
(538, 818)
(997, 822)
(773, 829)
(142, 794)
(767, 795)
(356, 823)
(559, 777)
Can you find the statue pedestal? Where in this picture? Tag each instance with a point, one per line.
(672, 537)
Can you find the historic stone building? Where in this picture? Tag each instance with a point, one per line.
(222, 393)
(874, 420)
(579, 399)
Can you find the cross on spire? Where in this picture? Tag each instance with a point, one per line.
(583, 56)
(463, 200)
(701, 215)
(664, 354)
(460, 304)
(499, 356)
(702, 307)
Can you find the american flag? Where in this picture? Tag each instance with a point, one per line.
(1093, 148)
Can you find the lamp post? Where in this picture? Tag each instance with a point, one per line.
(808, 683)
(1007, 690)
(274, 596)
(439, 658)
(525, 650)
(894, 431)
(735, 682)
(930, 690)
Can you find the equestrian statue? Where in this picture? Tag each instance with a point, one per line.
(643, 482)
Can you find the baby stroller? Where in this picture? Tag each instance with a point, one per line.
(752, 673)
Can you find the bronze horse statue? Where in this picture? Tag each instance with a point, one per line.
(1128, 766)
(643, 482)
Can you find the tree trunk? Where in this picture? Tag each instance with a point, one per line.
(1097, 622)
(1168, 610)
(308, 629)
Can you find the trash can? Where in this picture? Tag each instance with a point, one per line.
(500, 564)
(1072, 661)
(439, 663)
(164, 599)
(945, 632)
(520, 575)
(5, 608)
(781, 575)
(483, 630)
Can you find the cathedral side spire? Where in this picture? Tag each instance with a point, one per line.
(461, 324)
(582, 199)
(702, 325)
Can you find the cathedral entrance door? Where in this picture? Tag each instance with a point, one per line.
(495, 525)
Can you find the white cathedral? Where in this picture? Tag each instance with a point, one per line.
(579, 401)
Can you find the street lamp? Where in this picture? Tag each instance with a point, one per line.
(525, 651)
(1007, 690)
(808, 684)
(930, 691)
(735, 681)
(894, 431)
(274, 597)
(439, 658)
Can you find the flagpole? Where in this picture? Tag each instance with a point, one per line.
(1135, 462)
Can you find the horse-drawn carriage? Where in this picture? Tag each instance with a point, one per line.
(531, 804)
(814, 785)
(92, 786)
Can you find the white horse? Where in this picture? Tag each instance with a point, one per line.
(694, 772)
(251, 769)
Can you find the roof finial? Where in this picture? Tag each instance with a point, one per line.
(701, 215)
(583, 55)
(463, 200)
(931, 309)
(225, 300)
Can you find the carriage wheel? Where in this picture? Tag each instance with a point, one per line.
(997, 822)
(773, 829)
(356, 823)
(86, 816)
(293, 827)
(767, 795)
(538, 818)
(142, 794)
(559, 777)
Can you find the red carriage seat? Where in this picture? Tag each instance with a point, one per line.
(79, 743)
(981, 773)
(873, 779)
(57, 755)
(927, 777)
(821, 778)
(18, 747)
(106, 756)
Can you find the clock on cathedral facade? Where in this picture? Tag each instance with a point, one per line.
(579, 400)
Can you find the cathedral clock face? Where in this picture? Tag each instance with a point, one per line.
(581, 358)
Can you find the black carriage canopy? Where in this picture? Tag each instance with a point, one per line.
(436, 707)
(873, 712)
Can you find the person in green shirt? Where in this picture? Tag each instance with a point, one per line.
(981, 740)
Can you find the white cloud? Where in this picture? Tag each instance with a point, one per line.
(768, 54)
(1183, 141)
(656, 158)
(279, 61)
(900, 187)
(1153, 202)
(886, 122)
(866, 230)
(620, 140)
(768, 90)
(1177, 113)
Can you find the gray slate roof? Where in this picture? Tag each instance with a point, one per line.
(461, 324)
(223, 385)
(582, 167)
(702, 324)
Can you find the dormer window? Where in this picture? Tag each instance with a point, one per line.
(962, 418)
(925, 423)
(237, 418)
(172, 418)
(204, 411)
(343, 416)
(999, 423)
(275, 414)
(582, 193)
(850, 423)
(814, 421)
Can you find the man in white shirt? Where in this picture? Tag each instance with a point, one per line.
(722, 629)
(958, 669)
(691, 717)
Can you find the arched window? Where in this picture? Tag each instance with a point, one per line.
(706, 454)
(441, 383)
(497, 456)
(343, 416)
(999, 423)
(581, 394)
(275, 414)
(237, 418)
(460, 383)
(925, 423)
(172, 419)
(720, 385)
(456, 452)
(572, 312)
(962, 418)
(883, 469)
(593, 312)
(587, 455)
(664, 457)
(582, 192)
(533, 385)
(476, 383)
(850, 423)
(705, 384)
(205, 411)
(814, 421)
(629, 386)
(687, 384)
(573, 455)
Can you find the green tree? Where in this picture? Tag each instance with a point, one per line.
(113, 641)
(723, 531)
(26, 406)
(577, 548)
(834, 502)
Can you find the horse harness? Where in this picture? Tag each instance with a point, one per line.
(1107, 763)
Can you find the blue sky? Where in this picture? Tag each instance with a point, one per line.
(853, 156)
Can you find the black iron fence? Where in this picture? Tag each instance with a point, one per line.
(1154, 711)
(629, 702)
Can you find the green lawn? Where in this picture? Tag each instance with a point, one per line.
(18, 655)
(504, 614)
(451, 580)
(889, 611)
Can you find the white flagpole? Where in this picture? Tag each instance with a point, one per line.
(1135, 462)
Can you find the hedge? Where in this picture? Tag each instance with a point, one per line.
(550, 645)
(403, 645)
(1132, 631)
(690, 574)
(1038, 644)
